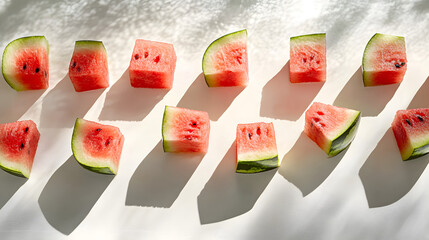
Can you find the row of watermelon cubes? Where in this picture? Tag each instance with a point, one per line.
(25, 63)
(98, 147)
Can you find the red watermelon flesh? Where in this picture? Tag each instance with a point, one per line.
(225, 61)
(18, 145)
(308, 58)
(331, 128)
(185, 130)
(26, 63)
(256, 147)
(384, 60)
(152, 65)
(96, 146)
(411, 130)
(88, 68)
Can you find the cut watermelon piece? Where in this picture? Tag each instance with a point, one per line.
(25, 63)
(332, 128)
(88, 68)
(256, 148)
(225, 61)
(411, 129)
(384, 60)
(18, 145)
(308, 58)
(185, 130)
(96, 146)
(152, 65)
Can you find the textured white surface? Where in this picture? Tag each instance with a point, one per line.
(365, 193)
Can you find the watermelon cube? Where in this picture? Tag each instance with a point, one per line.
(88, 68)
(152, 65)
(331, 128)
(25, 64)
(256, 148)
(185, 130)
(308, 58)
(411, 129)
(18, 145)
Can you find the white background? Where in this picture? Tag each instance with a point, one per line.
(365, 193)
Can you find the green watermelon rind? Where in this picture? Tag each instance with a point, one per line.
(255, 166)
(79, 155)
(165, 117)
(90, 44)
(315, 37)
(15, 172)
(217, 43)
(368, 49)
(8, 55)
(419, 151)
(344, 139)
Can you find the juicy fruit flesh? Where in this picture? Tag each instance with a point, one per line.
(18, 145)
(308, 58)
(225, 61)
(97, 146)
(88, 68)
(324, 124)
(185, 130)
(25, 63)
(411, 130)
(384, 60)
(256, 147)
(32, 68)
(152, 64)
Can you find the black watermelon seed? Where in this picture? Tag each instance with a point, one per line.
(98, 129)
(408, 121)
(26, 129)
(22, 145)
(73, 64)
(402, 63)
(194, 124)
(420, 118)
(397, 65)
(250, 135)
(136, 56)
(107, 142)
(25, 66)
(46, 74)
(37, 70)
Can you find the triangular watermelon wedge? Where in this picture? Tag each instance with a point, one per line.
(411, 129)
(331, 128)
(18, 145)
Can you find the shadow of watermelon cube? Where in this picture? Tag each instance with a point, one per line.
(160, 177)
(228, 194)
(70, 194)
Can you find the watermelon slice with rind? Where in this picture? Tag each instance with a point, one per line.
(25, 64)
(225, 62)
(411, 130)
(308, 58)
(256, 148)
(18, 145)
(384, 60)
(331, 128)
(185, 130)
(88, 68)
(97, 146)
